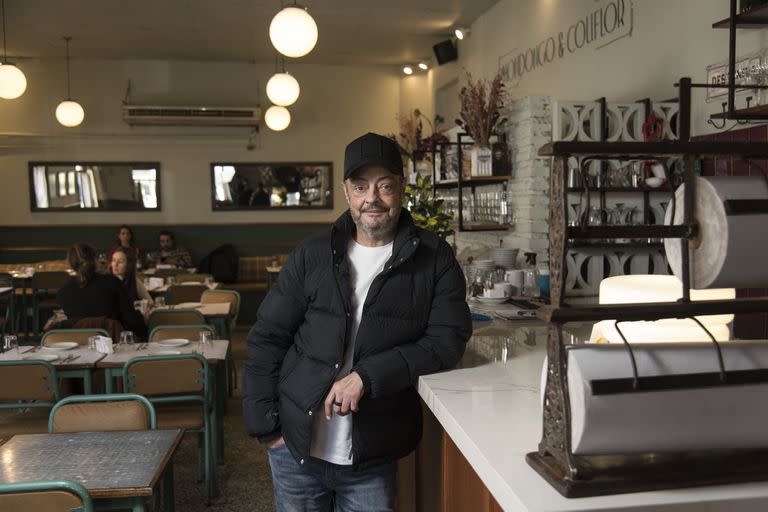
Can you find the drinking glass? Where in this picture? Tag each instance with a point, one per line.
(171, 280)
(205, 339)
(10, 342)
(160, 301)
(92, 342)
(127, 338)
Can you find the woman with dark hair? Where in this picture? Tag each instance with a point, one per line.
(123, 267)
(125, 240)
(89, 294)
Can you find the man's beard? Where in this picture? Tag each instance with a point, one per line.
(376, 229)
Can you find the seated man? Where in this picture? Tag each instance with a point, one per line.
(169, 253)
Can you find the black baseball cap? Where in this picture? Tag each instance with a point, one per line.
(372, 149)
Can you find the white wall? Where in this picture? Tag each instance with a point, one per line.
(670, 39)
(337, 104)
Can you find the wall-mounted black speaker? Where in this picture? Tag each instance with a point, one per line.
(445, 51)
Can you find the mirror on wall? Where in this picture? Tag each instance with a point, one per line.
(285, 185)
(78, 186)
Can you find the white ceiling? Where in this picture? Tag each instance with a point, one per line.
(379, 32)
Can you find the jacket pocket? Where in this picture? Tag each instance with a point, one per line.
(292, 358)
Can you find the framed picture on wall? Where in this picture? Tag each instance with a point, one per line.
(263, 186)
(101, 186)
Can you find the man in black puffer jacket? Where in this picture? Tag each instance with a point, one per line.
(358, 314)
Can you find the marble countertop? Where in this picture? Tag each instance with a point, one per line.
(490, 407)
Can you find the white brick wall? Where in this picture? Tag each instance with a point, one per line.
(528, 127)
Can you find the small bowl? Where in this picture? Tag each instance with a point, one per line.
(654, 181)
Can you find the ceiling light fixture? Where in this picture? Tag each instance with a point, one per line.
(461, 33)
(408, 70)
(423, 66)
(293, 31)
(277, 118)
(13, 83)
(283, 89)
(69, 112)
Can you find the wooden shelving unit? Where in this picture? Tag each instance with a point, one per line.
(756, 18)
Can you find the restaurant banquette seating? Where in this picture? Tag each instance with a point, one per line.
(62, 495)
(30, 389)
(102, 413)
(252, 272)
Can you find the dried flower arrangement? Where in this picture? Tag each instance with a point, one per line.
(481, 104)
(411, 139)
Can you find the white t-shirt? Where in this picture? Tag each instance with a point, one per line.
(332, 439)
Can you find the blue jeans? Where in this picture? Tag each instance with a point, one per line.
(317, 484)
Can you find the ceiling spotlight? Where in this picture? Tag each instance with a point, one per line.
(408, 70)
(293, 31)
(423, 65)
(461, 33)
(277, 118)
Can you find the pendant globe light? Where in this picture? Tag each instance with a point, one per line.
(283, 89)
(13, 83)
(69, 112)
(277, 118)
(293, 31)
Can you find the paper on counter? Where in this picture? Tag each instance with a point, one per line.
(723, 417)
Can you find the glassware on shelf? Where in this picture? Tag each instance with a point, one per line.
(596, 215)
(575, 219)
(636, 171)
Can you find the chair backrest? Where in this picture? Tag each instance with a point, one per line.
(31, 381)
(78, 335)
(192, 278)
(187, 332)
(49, 280)
(174, 317)
(102, 413)
(6, 279)
(230, 296)
(166, 272)
(167, 376)
(62, 495)
(177, 294)
(112, 326)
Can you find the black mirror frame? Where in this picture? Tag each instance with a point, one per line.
(235, 207)
(33, 201)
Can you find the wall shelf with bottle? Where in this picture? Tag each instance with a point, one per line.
(479, 203)
(754, 18)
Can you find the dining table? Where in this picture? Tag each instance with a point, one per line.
(118, 469)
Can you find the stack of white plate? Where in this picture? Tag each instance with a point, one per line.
(504, 257)
(484, 265)
(480, 268)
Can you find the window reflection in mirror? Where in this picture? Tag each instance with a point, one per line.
(74, 186)
(247, 186)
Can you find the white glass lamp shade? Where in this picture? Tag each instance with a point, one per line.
(293, 32)
(277, 118)
(283, 89)
(69, 113)
(13, 83)
(642, 289)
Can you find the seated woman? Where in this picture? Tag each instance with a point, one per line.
(123, 267)
(125, 240)
(89, 294)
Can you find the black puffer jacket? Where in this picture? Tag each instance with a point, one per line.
(415, 321)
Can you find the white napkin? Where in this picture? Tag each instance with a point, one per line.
(104, 345)
(156, 282)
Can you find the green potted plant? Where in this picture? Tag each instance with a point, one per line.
(427, 210)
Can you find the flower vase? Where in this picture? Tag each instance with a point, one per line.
(481, 161)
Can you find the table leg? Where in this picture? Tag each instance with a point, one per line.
(169, 501)
(87, 381)
(108, 378)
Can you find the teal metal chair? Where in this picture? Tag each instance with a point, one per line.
(226, 328)
(179, 386)
(31, 387)
(102, 413)
(189, 332)
(54, 496)
(79, 336)
(179, 316)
